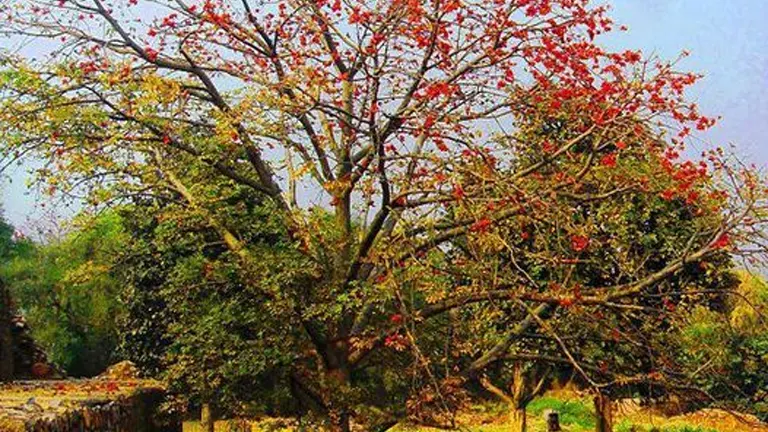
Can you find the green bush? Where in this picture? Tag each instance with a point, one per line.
(573, 412)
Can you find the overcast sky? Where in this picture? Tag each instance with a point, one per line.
(728, 42)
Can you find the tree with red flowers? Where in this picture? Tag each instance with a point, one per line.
(572, 254)
(378, 131)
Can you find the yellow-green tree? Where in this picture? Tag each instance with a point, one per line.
(66, 291)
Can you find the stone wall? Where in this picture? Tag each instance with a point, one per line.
(84, 406)
(137, 413)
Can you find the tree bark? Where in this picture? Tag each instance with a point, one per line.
(603, 413)
(518, 419)
(338, 376)
(207, 422)
(516, 401)
(340, 421)
(339, 414)
(6, 337)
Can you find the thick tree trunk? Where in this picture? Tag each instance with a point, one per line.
(340, 421)
(603, 413)
(338, 382)
(207, 421)
(339, 414)
(6, 338)
(518, 419)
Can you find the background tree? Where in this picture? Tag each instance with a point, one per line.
(6, 340)
(11, 246)
(66, 292)
(386, 115)
(193, 320)
(726, 350)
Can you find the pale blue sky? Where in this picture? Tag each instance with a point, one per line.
(728, 44)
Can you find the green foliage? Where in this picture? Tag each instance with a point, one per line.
(572, 412)
(194, 317)
(728, 349)
(65, 290)
(7, 243)
(11, 245)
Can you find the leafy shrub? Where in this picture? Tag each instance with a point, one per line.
(572, 412)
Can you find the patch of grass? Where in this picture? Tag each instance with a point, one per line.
(572, 412)
(627, 426)
(268, 425)
(687, 428)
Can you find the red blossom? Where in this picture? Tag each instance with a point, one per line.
(579, 243)
(458, 191)
(609, 160)
(481, 226)
(669, 305)
(435, 90)
(668, 195)
(396, 342)
(440, 144)
(151, 53)
(722, 242)
(548, 147)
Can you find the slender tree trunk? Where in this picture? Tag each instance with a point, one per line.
(603, 413)
(516, 400)
(518, 419)
(520, 393)
(6, 338)
(207, 422)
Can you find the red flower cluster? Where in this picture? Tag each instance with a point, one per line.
(396, 341)
(151, 54)
(722, 242)
(609, 160)
(481, 226)
(458, 191)
(579, 243)
(435, 90)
